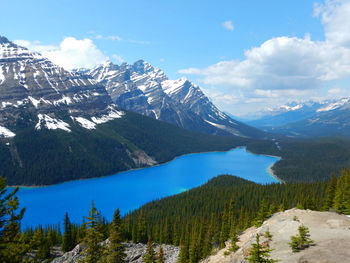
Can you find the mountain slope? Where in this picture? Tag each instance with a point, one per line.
(57, 125)
(327, 118)
(146, 90)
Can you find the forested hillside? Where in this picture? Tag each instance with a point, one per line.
(198, 220)
(42, 157)
(306, 160)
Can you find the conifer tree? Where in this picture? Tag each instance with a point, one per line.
(150, 256)
(67, 242)
(116, 250)
(166, 233)
(342, 193)
(208, 240)
(142, 228)
(12, 246)
(195, 249)
(234, 239)
(262, 214)
(225, 227)
(175, 234)
(260, 254)
(160, 255)
(184, 250)
(44, 248)
(302, 240)
(268, 235)
(93, 251)
(134, 234)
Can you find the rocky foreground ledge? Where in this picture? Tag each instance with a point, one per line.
(133, 251)
(329, 231)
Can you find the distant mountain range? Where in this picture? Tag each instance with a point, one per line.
(324, 118)
(58, 125)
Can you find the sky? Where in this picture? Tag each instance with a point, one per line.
(246, 55)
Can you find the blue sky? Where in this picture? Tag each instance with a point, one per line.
(189, 37)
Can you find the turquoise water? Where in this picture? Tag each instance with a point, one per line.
(131, 189)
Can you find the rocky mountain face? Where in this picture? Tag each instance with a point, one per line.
(34, 91)
(325, 118)
(57, 125)
(329, 231)
(145, 89)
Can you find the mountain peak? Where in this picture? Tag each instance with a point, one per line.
(108, 63)
(4, 40)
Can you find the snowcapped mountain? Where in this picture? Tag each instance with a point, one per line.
(284, 114)
(58, 125)
(324, 118)
(31, 84)
(145, 89)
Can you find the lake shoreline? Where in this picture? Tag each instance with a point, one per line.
(133, 169)
(270, 168)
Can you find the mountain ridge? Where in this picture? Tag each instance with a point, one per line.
(142, 88)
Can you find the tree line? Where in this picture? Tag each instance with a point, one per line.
(199, 220)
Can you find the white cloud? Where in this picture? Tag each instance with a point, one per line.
(335, 18)
(283, 68)
(228, 25)
(335, 91)
(71, 53)
(114, 38)
(280, 63)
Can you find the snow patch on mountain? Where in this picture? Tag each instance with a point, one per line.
(37, 102)
(51, 123)
(112, 114)
(85, 123)
(335, 105)
(2, 76)
(289, 108)
(6, 133)
(173, 86)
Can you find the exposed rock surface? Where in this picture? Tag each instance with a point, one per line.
(36, 92)
(145, 89)
(133, 251)
(329, 231)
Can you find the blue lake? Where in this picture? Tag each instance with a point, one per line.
(131, 189)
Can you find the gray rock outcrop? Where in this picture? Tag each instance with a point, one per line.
(329, 231)
(133, 251)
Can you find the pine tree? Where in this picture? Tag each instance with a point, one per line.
(342, 193)
(12, 246)
(208, 240)
(262, 214)
(260, 254)
(302, 240)
(67, 242)
(184, 252)
(142, 228)
(93, 251)
(225, 227)
(195, 249)
(160, 256)
(166, 233)
(234, 239)
(268, 235)
(116, 250)
(150, 256)
(44, 248)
